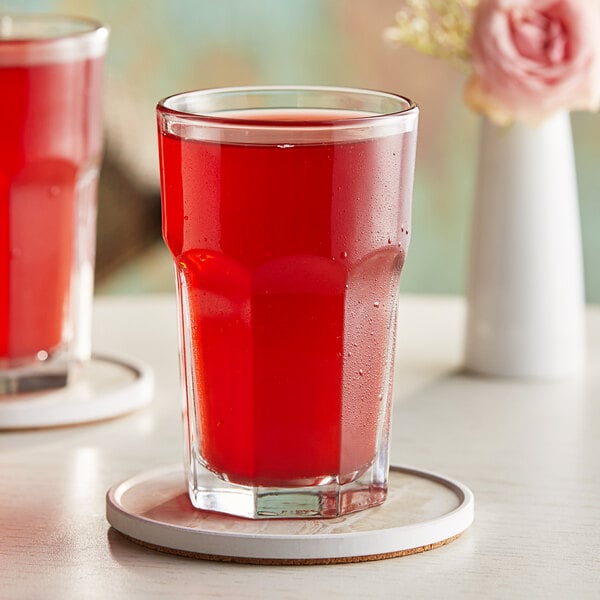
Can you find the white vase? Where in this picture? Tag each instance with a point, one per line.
(525, 294)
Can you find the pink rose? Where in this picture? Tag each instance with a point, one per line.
(532, 58)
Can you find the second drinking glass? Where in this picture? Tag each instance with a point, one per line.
(51, 73)
(287, 212)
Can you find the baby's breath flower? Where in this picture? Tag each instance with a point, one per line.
(440, 28)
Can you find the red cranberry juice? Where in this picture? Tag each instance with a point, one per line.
(288, 259)
(51, 137)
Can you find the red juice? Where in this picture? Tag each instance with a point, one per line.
(288, 257)
(49, 151)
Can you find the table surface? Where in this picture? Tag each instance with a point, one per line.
(529, 451)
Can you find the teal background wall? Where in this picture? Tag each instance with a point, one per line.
(159, 47)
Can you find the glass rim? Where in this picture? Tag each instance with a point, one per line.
(87, 38)
(164, 109)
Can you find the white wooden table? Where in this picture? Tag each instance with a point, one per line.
(529, 451)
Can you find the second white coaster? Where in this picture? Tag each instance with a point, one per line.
(423, 511)
(106, 387)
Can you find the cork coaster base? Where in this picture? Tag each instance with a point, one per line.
(292, 561)
(104, 387)
(423, 511)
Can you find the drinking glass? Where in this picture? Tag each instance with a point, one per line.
(51, 71)
(287, 212)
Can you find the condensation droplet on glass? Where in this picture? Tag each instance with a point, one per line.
(185, 218)
(361, 372)
(42, 355)
(343, 255)
(376, 304)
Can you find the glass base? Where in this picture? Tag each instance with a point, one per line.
(208, 491)
(35, 377)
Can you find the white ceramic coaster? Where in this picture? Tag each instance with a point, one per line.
(423, 511)
(104, 388)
